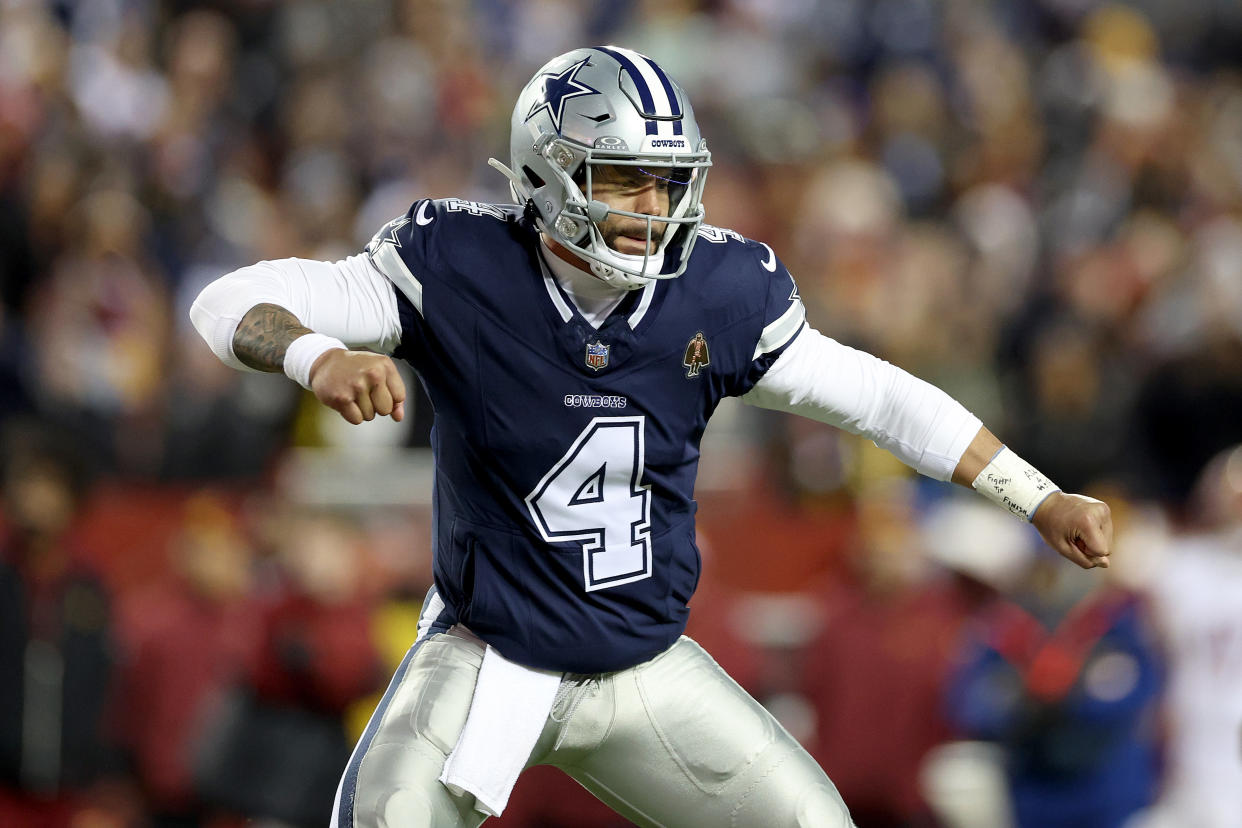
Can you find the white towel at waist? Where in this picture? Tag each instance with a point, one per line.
(510, 707)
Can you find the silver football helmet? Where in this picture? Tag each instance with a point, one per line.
(598, 107)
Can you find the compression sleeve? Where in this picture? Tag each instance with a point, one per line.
(824, 380)
(350, 300)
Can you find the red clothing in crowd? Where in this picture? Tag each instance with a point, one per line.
(183, 653)
(874, 676)
(315, 655)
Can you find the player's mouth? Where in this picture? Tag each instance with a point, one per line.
(633, 245)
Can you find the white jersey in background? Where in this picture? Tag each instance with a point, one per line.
(1198, 599)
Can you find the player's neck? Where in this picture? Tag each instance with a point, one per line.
(594, 297)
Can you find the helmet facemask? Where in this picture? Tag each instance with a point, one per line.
(583, 224)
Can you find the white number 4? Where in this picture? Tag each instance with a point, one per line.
(593, 494)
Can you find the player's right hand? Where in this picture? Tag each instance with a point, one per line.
(358, 385)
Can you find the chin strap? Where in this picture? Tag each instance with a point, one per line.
(608, 272)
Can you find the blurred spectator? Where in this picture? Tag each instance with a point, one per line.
(187, 639)
(277, 743)
(1065, 675)
(1196, 585)
(1187, 412)
(57, 739)
(98, 324)
(887, 640)
(1081, 397)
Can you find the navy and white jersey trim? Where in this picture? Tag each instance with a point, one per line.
(385, 253)
(655, 91)
(643, 305)
(432, 615)
(781, 332)
(549, 284)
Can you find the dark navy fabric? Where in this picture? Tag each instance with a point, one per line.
(517, 402)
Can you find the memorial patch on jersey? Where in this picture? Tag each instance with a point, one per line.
(597, 355)
(696, 355)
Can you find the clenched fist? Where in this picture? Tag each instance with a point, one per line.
(358, 385)
(1079, 527)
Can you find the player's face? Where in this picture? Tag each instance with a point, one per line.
(637, 190)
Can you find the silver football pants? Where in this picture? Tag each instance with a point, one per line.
(672, 742)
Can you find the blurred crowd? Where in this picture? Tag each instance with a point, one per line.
(205, 580)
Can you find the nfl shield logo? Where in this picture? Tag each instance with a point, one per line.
(596, 355)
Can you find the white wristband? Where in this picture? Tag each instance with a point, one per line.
(1014, 484)
(302, 353)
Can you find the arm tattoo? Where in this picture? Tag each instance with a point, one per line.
(263, 336)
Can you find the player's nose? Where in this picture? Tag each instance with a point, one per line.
(651, 201)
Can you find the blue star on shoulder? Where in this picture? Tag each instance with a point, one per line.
(559, 88)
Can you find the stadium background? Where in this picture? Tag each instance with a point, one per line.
(1035, 205)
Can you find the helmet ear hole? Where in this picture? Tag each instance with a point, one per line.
(532, 176)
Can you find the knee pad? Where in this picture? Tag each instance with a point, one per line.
(404, 808)
(822, 807)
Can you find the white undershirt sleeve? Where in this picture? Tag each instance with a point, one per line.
(349, 300)
(824, 380)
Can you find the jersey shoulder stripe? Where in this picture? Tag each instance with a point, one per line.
(389, 262)
(779, 333)
(385, 247)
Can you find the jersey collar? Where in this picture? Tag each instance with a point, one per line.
(559, 274)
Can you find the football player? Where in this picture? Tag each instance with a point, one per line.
(574, 345)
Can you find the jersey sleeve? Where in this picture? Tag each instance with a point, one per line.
(347, 299)
(782, 320)
(824, 380)
(403, 250)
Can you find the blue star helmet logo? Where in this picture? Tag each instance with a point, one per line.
(559, 88)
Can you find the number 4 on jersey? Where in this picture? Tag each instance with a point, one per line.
(593, 494)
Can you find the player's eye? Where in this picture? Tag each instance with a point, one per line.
(664, 176)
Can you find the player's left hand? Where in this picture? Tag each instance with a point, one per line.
(1078, 527)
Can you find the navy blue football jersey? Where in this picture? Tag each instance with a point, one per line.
(563, 506)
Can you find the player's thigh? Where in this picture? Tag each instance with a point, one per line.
(392, 780)
(688, 747)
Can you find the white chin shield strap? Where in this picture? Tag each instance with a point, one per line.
(607, 267)
(624, 270)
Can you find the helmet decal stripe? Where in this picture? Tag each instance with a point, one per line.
(636, 75)
(665, 106)
(668, 90)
